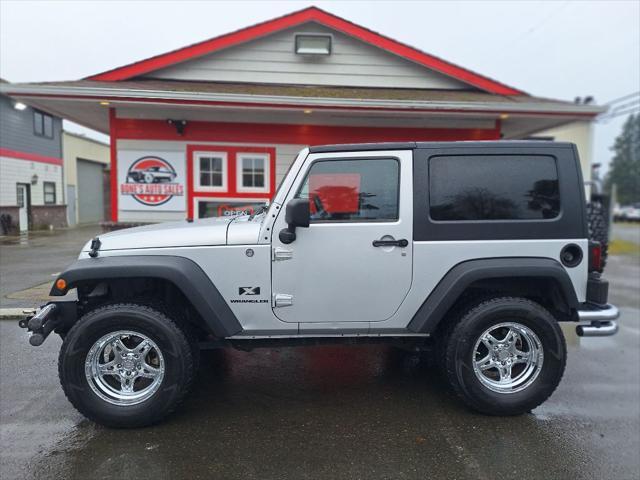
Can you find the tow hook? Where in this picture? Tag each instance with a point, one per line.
(41, 324)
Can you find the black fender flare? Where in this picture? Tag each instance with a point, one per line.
(456, 280)
(184, 273)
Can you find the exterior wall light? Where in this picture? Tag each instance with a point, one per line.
(19, 106)
(313, 44)
(178, 124)
(104, 103)
(34, 179)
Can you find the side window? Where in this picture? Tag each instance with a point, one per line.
(353, 190)
(47, 126)
(42, 124)
(49, 193)
(500, 187)
(38, 127)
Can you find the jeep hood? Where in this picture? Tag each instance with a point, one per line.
(210, 231)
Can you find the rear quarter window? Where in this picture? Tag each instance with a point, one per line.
(493, 187)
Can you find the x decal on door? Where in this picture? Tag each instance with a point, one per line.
(249, 291)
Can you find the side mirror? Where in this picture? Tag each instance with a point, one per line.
(297, 214)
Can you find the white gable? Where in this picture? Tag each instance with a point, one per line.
(272, 59)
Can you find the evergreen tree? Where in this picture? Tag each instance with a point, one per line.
(625, 166)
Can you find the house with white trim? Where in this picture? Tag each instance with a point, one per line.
(211, 128)
(31, 168)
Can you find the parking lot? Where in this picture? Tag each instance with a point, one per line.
(319, 412)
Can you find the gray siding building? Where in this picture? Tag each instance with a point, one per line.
(31, 168)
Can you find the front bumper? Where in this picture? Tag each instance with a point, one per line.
(41, 324)
(54, 316)
(597, 320)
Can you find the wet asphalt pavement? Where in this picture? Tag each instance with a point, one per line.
(29, 260)
(326, 412)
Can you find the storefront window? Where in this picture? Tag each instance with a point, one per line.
(228, 181)
(222, 208)
(211, 171)
(253, 172)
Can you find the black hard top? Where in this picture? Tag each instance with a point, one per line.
(360, 147)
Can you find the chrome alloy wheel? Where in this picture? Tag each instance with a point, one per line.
(507, 357)
(124, 368)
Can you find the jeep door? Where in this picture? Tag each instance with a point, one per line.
(354, 261)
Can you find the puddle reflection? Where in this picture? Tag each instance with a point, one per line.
(334, 412)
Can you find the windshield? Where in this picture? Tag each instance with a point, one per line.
(261, 214)
(259, 211)
(303, 152)
(286, 174)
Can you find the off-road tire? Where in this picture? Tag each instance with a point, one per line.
(179, 318)
(598, 229)
(176, 349)
(459, 342)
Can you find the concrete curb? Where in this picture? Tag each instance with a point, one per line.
(15, 313)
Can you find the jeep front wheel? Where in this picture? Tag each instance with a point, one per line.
(505, 356)
(126, 365)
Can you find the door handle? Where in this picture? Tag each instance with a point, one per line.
(403, 242)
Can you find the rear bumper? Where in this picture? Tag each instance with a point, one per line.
(597, 320)
(597, 290)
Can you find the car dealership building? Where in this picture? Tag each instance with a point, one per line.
(210, 129)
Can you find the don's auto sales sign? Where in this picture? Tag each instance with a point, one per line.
(153, 181)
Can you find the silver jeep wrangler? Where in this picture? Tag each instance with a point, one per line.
(473, 252)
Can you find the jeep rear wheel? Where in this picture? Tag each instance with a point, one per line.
(505, 356)
(126, 365)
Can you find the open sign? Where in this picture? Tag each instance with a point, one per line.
(218, 208)
(232, 211)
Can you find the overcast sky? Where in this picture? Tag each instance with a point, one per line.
(557, 49)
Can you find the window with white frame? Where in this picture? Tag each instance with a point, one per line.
(253, 172)
(210, 171)
(49, 190)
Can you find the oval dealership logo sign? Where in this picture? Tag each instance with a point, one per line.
(151, 181)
